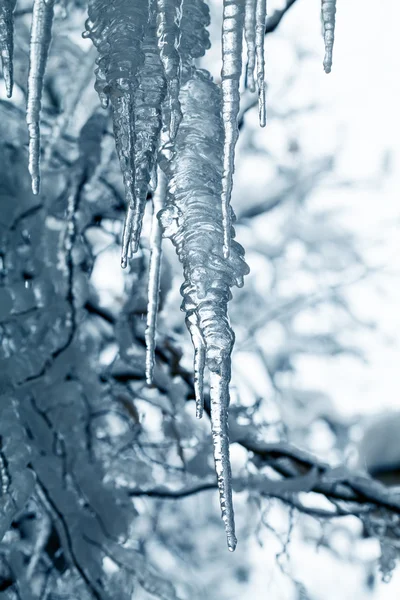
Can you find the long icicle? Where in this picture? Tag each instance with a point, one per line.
(232, 45)
(7, 42)
(42, 20)
(149, 100)
(219, 396)
(250, 36)
(169, 13)
(328, 14)
(261, 13)
(192, 218)
(154, 275)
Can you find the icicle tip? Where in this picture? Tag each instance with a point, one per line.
(8, 82)
(35, 185)
(232, 543)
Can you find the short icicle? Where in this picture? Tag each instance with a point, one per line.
(42, 20)
(250, 37)
(7, 42)
(328, 14)
(169, 13)
(261, 13)
(199, 362)
(154, 276)
(232, 44)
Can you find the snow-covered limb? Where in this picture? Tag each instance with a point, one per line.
(169, 15)
(154, 275)
(42, 21)
(193, 220)
(232, 44)
(261, 12)
(7, 42)
(328, 12)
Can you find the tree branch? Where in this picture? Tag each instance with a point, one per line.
(274, 20)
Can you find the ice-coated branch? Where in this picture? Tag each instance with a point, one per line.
(232, 44)
(192, 219)
(154, 275)
(7, 42)
(42, 21)
(328, 13)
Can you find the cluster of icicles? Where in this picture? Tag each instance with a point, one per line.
(175, 132)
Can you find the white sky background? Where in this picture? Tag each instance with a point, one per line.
(358, 121)
(360, 102)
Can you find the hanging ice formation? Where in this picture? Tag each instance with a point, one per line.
(154, 275)
(169, 116)
(232, 34)
(42, 20)
(117, 30)
(328, 13)
(169, 13)
(7, 42)
(250, 36)
(192, 219)
(249, 18)
(261, 13)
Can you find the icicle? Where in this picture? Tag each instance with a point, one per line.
(328, 12)
(250, 36)
(149, 99)
(199, 361)
(123, 108)
(219, 393)
(7, 42)
(195, 39)
(117, 30)
(232, 34)
(261, 12)
(168, 34)
(192, 219)
(42, 20)
(154, 276)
